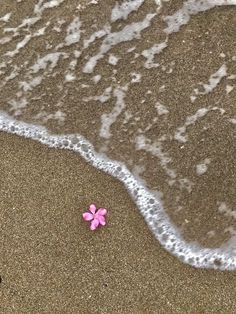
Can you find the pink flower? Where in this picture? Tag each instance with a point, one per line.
(97, 217)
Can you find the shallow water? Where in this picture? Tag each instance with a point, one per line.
(151, 86)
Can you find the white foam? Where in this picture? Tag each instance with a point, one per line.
(226, 210)
(202, 167)
(155, 149)
(73, 32)
(39, 9)
(215, 79)
(5, 18)
(107, 119)
(233, 120)
(231, 77)
(50, 60)
(93, 1)
(213, 82)
(69, 77)
(128, 33)
(58, 27)
(104, 97)
(136, 77)
(191, 7)
(121, 11)
(150, 53)
(28, 86)
(149, 205)
(26, 23)
(16, 106)
(96, 78)
(180, 134)
(229, 88)
(161, 109)
(96, 35)
(19, 46)
(5, 40)
(41, 5)
(113, 60)
(44, 116)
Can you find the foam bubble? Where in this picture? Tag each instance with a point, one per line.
(73, 32)
(202, 167)
(149, 203)
(6, 17)
(121, 11)
(128, 33)
(150, 206)
(113, 60)
(191, 7)
(214, 80)
(150, 53)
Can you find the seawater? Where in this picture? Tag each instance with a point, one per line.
(143, 90)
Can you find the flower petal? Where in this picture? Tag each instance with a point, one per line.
(92, 208)
(102, 211)
(101, 220)
(87, 216)
(94, 224)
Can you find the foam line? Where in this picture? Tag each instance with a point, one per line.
(149, 206)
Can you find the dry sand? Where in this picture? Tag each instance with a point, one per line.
(52, 263)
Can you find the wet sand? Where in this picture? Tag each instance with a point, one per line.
(130, 128)
(52, 263)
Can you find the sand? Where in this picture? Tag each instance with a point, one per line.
(52, 263)
(167, 165)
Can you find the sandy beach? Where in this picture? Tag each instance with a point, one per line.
(52, 263)
(150, 88)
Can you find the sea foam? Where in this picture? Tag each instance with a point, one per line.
(148, 204)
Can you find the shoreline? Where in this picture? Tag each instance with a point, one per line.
(53, 262)
(165, 232)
